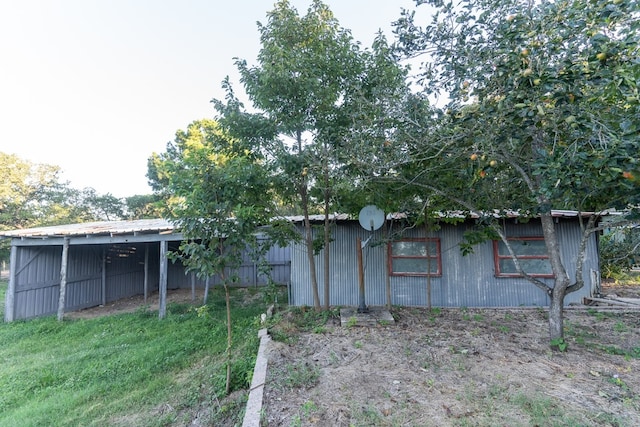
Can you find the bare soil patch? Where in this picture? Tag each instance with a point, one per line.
(137, 302)
(456, 367)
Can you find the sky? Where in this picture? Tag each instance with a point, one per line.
(96, 86)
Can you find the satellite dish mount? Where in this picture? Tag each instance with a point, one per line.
(371, 218)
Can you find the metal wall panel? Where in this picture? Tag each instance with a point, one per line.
(250, 273)
(37, 270)
(466, 281)
(84, 278)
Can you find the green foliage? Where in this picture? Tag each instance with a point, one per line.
(542, 113)
(114, 368)
(537, 116)
(559, 344)
(619, 252)
(324, 110)
(32, 195)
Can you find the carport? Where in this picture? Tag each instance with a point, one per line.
(69, 267)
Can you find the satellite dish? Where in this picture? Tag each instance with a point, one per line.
(371, 217)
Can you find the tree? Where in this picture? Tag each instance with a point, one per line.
(143, 206)
(220, 197)
(24, 190)
(315, 86)
(542, 113)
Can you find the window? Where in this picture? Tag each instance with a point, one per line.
(531, 253)
(415, 257)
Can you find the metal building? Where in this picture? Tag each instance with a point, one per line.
(398, 268)
(96, 263)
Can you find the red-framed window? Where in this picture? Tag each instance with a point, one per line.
(415, 257)
(531, 253)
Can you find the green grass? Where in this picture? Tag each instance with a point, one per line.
(128, 369)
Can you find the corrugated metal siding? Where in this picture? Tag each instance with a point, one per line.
(36, 289)
(84, 278)
(249, 273)
(38, 280)
(343, 269)
(38, 275)
(466, 281)
(125, 271)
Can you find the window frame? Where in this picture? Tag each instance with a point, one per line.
(497, 257)
(437, 257)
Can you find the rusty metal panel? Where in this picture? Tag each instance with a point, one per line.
(466, 281)
(343, 273)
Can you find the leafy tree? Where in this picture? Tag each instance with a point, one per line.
(542, 112)
(313, 86)
(220, 197)
(143, 206)
(33, 195)
(23, 191)
(620, 251)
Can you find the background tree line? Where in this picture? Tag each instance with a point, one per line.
(33, 195)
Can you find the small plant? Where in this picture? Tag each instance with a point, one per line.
(616, 380)
(503, 328)
(357, 344)
(308, 408)
(352, 321)
(320, 329)
(559, 344)
(620, 327)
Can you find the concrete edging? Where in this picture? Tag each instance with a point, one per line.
(254, 404)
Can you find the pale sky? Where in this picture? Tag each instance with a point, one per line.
(96, 86)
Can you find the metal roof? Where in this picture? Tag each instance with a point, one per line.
(163, 226)
(556, 213)
(100, 228)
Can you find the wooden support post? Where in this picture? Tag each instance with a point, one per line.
(162, 310)
(193, 286)
(63, 278)
(9, 305)
(104, 277)
(146, 272)
(206, 289)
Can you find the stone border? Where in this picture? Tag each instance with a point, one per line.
(254, 404)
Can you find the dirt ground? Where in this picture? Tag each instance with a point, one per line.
(461, 367)
(131, 304)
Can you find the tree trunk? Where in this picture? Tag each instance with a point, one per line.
(556, 318)
(557, 294)
(308, 233)
(308, 239)
(228, 301)
(327, 234)
(223, 278)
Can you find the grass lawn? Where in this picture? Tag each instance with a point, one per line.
(128, 369)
